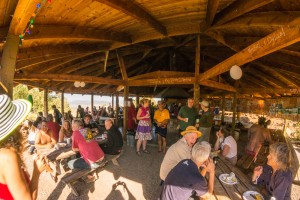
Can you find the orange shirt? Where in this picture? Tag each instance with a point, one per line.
(160, 116)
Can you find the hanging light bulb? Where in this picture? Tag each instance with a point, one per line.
(77, 84)
(236, 72)
(82, 84)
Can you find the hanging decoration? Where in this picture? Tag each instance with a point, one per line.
(79, 84)
(31, 21)
(236, 72)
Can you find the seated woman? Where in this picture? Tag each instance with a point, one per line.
(65, 131)
(276, 175)
(227, 144)
(14, 180)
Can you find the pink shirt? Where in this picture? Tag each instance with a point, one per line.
(89, 150)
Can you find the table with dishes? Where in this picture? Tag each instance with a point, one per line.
(231, 183)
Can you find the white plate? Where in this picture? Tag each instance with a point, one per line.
(247, 196)
(61, 144)
(225, 179)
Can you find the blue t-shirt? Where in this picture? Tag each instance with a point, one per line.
(278, 185)
(183, 181)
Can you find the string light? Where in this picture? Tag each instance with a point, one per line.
(31, 21)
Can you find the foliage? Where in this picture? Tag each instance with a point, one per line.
(22, 92)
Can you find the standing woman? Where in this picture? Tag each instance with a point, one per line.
(65, 131)
(143, 131)
(14, 180)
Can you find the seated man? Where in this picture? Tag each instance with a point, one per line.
(44, 137)
(227, 143)
(257, 134)
(89, 149)
(185, 179)
(179, 151)
(88, 124)
(114, 143)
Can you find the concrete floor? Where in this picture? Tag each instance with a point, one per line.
(136, 179)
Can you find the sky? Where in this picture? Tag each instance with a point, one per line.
(85, 100)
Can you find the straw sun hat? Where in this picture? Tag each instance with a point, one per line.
(191, 129)
(12, 113)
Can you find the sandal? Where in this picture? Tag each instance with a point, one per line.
(138, 153)
(146, 151)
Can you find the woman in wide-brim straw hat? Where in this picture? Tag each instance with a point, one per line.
(14, 180)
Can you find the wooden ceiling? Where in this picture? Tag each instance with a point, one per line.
(149, 45)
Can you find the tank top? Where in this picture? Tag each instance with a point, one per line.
(145, 111)
(4, 191)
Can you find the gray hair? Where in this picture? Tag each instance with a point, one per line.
(201, 151)
(282, 154)
(78, 122)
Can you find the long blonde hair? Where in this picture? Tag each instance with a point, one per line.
(15, 142)
(67, 132)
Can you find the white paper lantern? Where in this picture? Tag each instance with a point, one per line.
(77, 84)
(236, 72)
(82, 84)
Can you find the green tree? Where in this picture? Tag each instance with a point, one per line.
(22, 92)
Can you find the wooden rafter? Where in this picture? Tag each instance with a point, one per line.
(270, 90)
(217, 85)
(134, 10)
(279, 39)
(57, 65)
(122, 66)
(211, 10)
(22, 15)
(262, 20)
(56, 32)
(68, 78)
(239, 8)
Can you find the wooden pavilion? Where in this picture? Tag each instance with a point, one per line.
(143, 46)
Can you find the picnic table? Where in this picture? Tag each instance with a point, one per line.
(225, 191)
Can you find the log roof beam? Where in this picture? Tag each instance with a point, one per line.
(72, 32)
(270, 90)
(279, 39)
(67, 78)
(238, 8)
(132, 9)
(22, 15)
(212, 7)
(262, 20)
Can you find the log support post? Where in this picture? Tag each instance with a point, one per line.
(62, 103)
(117, 108)
(92, 102)
(8, 64)
(234, 105)
(125, 111)
(223, 108)
(45, 102)
(197, 70)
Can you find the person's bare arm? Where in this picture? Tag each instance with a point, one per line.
(52, 140)
(13, 175)
(226, 150)
(61, 137)
(210, 168)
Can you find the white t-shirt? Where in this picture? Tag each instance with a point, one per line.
(230, 141)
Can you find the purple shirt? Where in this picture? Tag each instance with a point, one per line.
(278, 185)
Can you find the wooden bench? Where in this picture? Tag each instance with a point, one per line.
(76, 174)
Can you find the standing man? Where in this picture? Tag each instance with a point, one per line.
(161, 118)
(187, 116)
(114, 143)
(186, 179)
(57, 114)
(205, 122)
